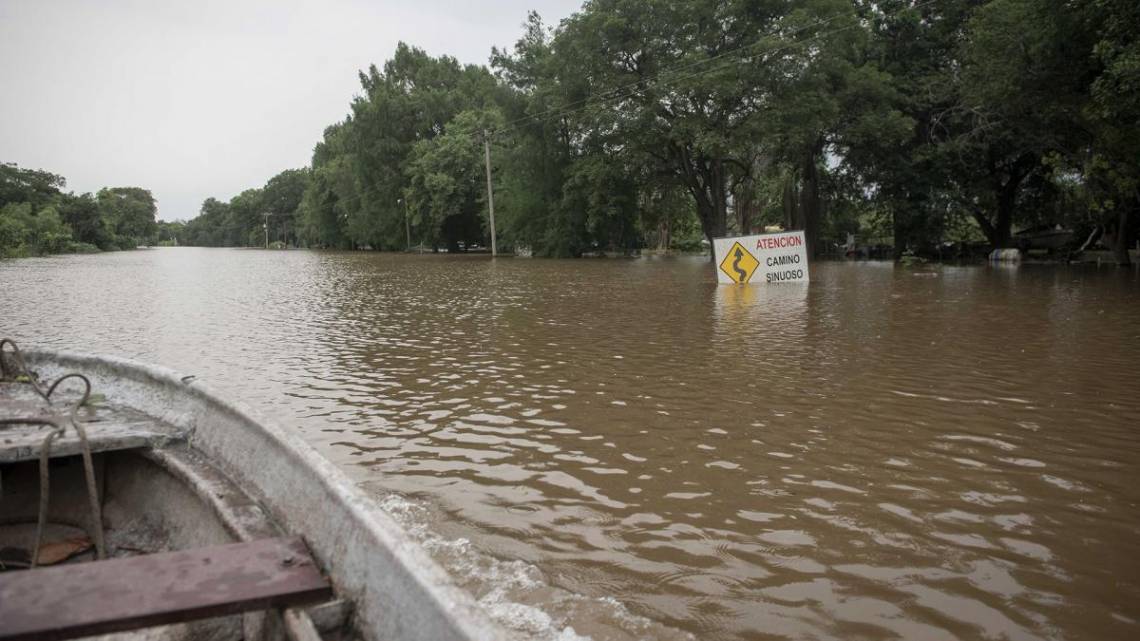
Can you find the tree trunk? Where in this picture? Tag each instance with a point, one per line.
(809, 203)
(899, 229)
(1000, 232)
(713, 222)
(743, 210)
(719, 192)
(704, 178)
(1003, 227)
(1121, 242)
(985, 225)
(790, 201)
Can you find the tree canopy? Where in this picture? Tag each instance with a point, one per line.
(637, 123)
(37, 217)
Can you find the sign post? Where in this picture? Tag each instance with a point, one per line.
(767, 258)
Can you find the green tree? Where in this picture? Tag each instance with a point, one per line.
(910, 177)
(710, 93)
(697, 126)
(33, 186)
(1014, 109)
(130, 212)
(1112, 170)
(169, 233)
(940, 121)
(84, 216)
(536, 150)
(25, 231)
(38, 218)
(1050, 88)
(411, 100)
(447, 190)
(830, 98)
(281, 196)
(207, 229)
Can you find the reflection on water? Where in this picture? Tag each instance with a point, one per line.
(625, 449)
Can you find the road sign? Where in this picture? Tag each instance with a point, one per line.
(739, 264)
(767, 258)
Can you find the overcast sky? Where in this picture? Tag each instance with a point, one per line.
(198, 99)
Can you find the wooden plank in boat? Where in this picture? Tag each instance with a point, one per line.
(99, 597)
(109, 427)
(24, 442)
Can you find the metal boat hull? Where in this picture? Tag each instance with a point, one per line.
(395, 589)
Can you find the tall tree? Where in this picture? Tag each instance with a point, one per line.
(676, 86)
(1113, 167)
(1016, 107)
(830, 98)
(83, 215)
(130, 211)
(910, 177)
(281, 197)
(33, 186)
(331, 193)
(446, 190)
(537, 150)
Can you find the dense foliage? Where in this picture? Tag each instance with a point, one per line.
(37, 217)
(923, 125)
(252, 218)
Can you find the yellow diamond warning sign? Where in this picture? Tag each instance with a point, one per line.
(739, 264)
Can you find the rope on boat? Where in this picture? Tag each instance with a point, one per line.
(59, 424)
(21, 366)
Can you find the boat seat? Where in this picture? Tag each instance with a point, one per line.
(108, 427)
(115, 595)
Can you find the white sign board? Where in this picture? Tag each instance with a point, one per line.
(767, 258)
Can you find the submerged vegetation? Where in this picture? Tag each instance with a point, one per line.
(37, 217)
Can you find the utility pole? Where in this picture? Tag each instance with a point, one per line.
(407, 225)
(490, 190)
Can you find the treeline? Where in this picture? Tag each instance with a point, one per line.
(637, 123)
(253, 217)
(37, 217)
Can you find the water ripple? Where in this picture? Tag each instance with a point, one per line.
(623, 450)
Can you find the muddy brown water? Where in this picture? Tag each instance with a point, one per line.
(621, 449)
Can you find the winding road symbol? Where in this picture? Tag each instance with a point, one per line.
(736, 265)
(739, 264)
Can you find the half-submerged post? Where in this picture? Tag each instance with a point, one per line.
(490, 190)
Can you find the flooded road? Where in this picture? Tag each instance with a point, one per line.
(621, 449)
